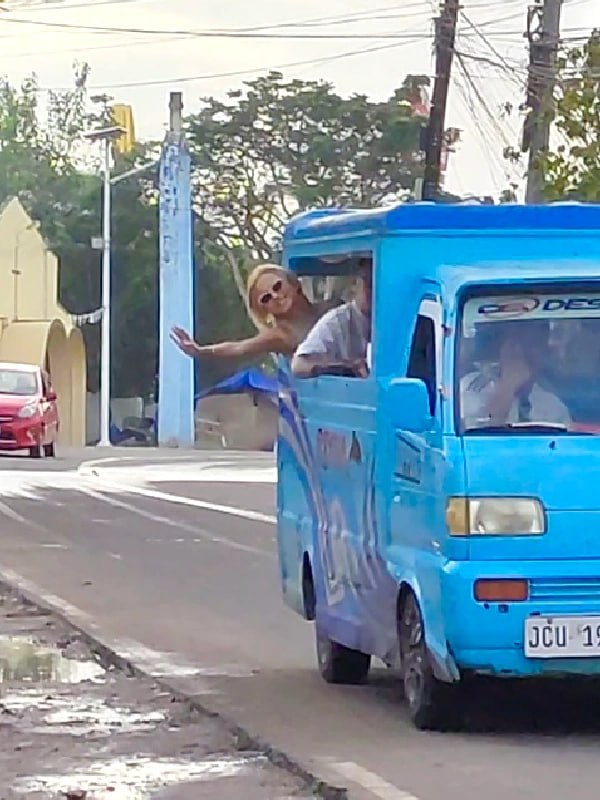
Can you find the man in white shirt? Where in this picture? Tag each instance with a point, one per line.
(340, 338)
(507, 391)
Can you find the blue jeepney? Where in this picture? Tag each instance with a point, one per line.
(443, 514)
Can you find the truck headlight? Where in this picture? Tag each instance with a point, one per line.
(495, 516)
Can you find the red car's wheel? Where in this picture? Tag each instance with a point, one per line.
(36, 451)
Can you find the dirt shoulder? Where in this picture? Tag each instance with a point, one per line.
(73, 727)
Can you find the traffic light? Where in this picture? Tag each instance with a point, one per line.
(123, 117)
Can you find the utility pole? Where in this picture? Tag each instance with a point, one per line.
(106, 136)
(176, 284)
(445, 37)
(543, 35)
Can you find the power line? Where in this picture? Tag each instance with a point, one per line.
(349, 18)
(210, 34)
(262, 32)
(60, 6)
(242, 72)
(483, 137)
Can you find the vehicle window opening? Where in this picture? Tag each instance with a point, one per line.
(343, 283)
(421, 363)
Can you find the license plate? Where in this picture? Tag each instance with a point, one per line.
(562, 637)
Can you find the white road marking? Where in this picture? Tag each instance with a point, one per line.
(373, 783)
(37, 485)
(188, 473)
(16, 517)
(254, 516)
(173, 523)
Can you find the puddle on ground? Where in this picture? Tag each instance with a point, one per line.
(22, 659)
(133, 778)
(72, 716)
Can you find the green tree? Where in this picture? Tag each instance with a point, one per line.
(573, 169)
(280, 146)
(43, 163)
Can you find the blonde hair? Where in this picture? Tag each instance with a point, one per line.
(259, 315)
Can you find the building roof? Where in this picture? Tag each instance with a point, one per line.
(327, 223)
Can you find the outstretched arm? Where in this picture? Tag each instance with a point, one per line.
(264, 342)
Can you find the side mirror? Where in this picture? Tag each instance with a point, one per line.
(407, 405)
(51, 397)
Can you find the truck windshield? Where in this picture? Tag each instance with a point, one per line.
(530, 364)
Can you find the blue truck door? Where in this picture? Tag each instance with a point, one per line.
(417, 479)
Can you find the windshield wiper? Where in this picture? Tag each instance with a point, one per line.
(521, 427)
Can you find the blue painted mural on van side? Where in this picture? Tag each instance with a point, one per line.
(336, 525)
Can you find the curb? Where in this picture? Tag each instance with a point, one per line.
(243, 739)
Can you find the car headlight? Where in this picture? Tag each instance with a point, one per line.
(28, 411)
(495, 516)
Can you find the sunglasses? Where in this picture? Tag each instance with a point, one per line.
(266, 298)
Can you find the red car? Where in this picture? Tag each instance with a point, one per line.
(28, 410)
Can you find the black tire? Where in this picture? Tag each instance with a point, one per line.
(432, 704)
(339, 664)
(36, 451)
(50, 450)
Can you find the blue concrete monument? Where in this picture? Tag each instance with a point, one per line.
(176, 286)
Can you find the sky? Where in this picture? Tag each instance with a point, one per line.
(377, 44)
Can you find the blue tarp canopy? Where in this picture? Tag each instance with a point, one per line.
(249, 380)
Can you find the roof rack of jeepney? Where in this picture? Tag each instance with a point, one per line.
(405, 217)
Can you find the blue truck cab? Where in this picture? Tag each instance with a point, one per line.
(443, 513)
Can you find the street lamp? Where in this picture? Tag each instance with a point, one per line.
(107, 136)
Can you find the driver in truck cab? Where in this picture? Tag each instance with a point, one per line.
(504, 387)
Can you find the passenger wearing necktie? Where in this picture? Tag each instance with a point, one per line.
(505, 390)
(525, 405)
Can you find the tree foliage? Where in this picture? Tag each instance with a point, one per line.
(278, 146)
(572, 170)
(268, 150)
(44, 163)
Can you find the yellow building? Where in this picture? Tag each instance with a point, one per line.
(34, 327)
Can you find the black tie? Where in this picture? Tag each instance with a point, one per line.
(524, 408)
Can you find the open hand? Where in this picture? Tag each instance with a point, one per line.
(184, 341)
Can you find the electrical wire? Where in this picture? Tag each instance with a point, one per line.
(60, 6)
(488, 155)
(243, 72)
(212, 34)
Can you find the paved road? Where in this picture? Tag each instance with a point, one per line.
(149, 556)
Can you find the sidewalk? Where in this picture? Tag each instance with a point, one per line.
(72, 727)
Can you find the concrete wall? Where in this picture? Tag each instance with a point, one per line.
(244, 422)
(237, 422)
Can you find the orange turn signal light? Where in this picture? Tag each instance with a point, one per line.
(503, 590)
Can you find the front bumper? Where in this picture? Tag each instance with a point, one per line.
(489, 638)
(20, 434)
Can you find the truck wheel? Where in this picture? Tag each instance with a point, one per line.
(432, 704)
(339, 664)
(50, 450)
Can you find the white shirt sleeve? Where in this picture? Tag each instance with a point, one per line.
(550, 409)
(473, 403)
(322, 339)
